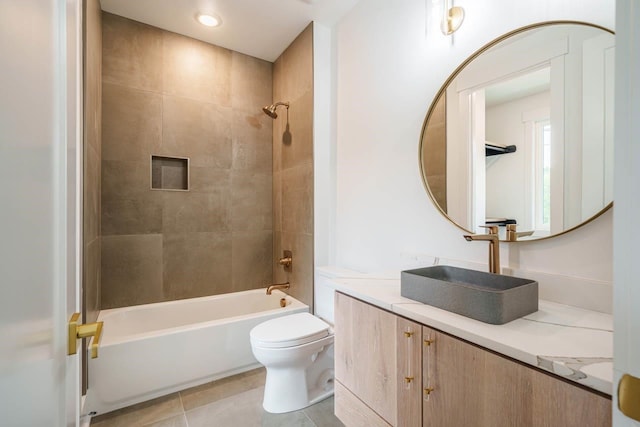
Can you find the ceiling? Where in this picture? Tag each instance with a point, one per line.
(260, 28)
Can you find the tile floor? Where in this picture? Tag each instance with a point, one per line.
(231, 402)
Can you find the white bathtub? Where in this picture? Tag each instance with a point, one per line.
(151, 350)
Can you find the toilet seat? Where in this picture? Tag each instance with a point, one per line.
(289, 331)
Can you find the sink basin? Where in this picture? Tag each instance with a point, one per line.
(487, 297)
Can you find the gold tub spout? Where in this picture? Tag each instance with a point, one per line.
(270, 288)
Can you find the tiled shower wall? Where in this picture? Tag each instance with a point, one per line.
(91, 159)
(293, 165)
(170, 95)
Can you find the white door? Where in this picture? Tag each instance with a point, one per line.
(626, 211)
(39, 233)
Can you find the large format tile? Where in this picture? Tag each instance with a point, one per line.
(217, 390)
(196, 212)
(289, 419)
(323, 414)
(251, 206)
(195, 69)
(277, 201)
(126, 180)
(244, 409)
(251, 136)
(177, 421)
(252, 258)
(209, 179)
(293, 70)
(91, 194)
(297, 199)
(131, 270)
(301, 275)
(198, 130)
(196, 264)
(131, 123)
(251, 82)
(131, 53)
(297, 146)
(143, 216)
(91, 272)
(143, 414)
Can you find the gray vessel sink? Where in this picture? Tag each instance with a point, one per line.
(487, 297)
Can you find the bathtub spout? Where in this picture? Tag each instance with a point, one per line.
(270, 288)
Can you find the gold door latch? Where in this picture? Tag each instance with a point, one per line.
(77, 332)
(629, 396)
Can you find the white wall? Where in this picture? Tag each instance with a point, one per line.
(389, 68)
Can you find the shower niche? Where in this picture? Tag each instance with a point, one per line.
(169, 173)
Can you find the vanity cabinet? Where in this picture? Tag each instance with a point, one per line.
(378, 366)
(378, 358)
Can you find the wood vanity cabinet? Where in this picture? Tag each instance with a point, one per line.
(461, 384)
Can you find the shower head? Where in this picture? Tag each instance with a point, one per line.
(270, 110)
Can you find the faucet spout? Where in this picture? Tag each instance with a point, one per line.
(284, 285)
(494, 246)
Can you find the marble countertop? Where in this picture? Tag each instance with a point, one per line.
(570, 342)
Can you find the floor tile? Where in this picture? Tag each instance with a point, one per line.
(221, 389)
(290, 419)
(177, 421)
(244, 409)
(322, 414)
(142, 414)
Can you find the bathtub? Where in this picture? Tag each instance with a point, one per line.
(151, 350)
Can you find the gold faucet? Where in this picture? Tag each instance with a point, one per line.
(512, 234)
(494, 246)
(284, 285)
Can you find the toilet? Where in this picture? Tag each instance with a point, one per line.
(297, 351)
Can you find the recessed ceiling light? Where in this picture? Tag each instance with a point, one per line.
(209, 20)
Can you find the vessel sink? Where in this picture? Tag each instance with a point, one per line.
(487, 297)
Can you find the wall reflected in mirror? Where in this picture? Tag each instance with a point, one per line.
(522, 132)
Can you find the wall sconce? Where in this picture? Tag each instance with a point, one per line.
(452, 18)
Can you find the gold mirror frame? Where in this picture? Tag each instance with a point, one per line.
(444, 87)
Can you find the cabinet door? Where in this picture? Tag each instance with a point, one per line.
(378, 360)
(474, 387)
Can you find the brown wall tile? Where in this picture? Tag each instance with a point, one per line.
(198, 130)
(196, 212)
(141, 216)
(131, 124)
(91, 270)
(252, 258)
(252, 135)
(251, 207)
(196, 264)
(202, 102)
(293, 165)
(297, 199)
(92, 94)
(195, 69)
(297, 147)
(248, 91)
(126, 180)
(296, 65)
(131, 270)
(131, 53)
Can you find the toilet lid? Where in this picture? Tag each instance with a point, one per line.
(289, 331)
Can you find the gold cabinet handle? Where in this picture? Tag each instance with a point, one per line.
(629, 396)
(428, 342)
(77, 332)
(428, 390)
(408, 379)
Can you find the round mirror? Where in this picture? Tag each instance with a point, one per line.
(521, 134)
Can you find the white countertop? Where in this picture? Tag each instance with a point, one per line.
(571, 342)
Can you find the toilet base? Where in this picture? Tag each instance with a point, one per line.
(290, 389)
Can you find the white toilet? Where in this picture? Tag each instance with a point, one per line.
(297, 351)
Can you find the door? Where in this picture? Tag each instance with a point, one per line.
(39, 211)
(626, 233)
